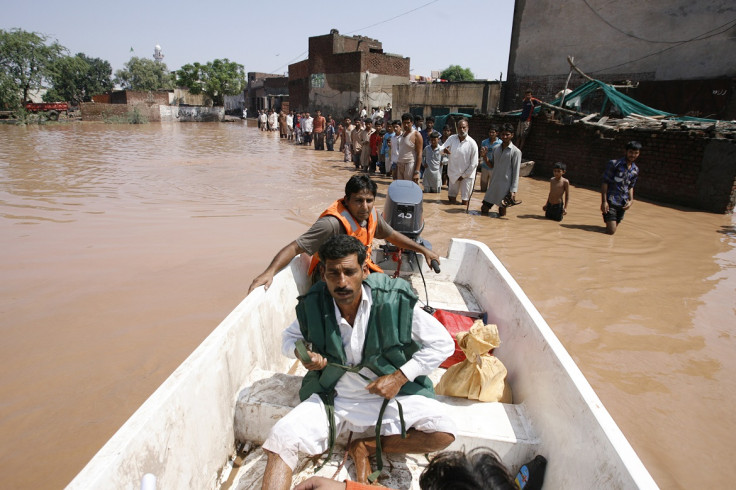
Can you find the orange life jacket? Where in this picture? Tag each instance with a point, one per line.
(352, 228)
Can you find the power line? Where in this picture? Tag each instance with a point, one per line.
(367, 27)
(616, 28)
(706, 35)
(394, 17)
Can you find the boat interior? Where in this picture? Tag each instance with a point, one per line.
(505, 428)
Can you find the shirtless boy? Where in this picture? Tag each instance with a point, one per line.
(559, 187)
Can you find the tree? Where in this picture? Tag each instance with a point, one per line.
(76, 78)
(143, 74)
(25, 61)
(216, 79)
(456, 73)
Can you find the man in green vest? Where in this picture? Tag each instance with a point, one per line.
(371, 349)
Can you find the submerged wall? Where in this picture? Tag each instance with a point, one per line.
(191, 114)
(688, 168)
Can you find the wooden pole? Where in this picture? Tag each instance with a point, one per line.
(567, 83)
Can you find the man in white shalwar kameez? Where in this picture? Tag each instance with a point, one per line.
(462, 163)
(357, 401)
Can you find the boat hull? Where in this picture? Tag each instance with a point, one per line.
(185, 432)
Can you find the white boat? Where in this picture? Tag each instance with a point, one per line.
(192, 432)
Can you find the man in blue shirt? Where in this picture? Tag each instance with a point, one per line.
(525, 120)
(486, 157)
(617, 190)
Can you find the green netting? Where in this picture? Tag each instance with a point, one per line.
(440, 121)
(622, 102)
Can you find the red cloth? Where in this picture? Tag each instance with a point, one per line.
(454, 323)
(374, 142)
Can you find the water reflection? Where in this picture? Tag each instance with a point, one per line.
(123, 246)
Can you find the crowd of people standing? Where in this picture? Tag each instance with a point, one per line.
(410, 148)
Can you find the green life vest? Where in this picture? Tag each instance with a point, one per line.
(388, 346)
(388, 343)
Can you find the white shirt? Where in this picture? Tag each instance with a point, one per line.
(436, 345)
(463, 158)
(290, 121)
(308, 124)
(395, 142)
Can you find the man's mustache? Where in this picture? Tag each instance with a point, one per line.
(343, 290)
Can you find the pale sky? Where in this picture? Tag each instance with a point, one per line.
(267, 36)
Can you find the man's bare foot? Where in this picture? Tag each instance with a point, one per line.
(360, 456)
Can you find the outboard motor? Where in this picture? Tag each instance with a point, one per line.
(403, 208)
(403, 211)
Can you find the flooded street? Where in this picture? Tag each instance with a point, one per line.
(123, 247)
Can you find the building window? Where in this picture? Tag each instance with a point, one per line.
(440, 111)
(416, 110)
(466, 110)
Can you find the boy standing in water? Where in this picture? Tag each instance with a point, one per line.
(617, 190)
(559, 187)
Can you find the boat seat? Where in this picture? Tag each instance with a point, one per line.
(505, 428)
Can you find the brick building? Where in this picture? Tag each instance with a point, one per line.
(344, 73)
(266, 91)
(122, 102)
(683, 167)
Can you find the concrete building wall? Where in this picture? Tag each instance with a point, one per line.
(191, 114)
(234, 103)
(622, 40)
(182, 96)
(482, 97)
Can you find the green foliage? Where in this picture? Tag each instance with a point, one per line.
(143, 74)
(77, 78)
(190, 76)
(216, 79)
(456, 73)
(133, 116)
(9, 93)
(25, 64)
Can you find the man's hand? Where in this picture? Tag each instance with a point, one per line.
(446, 151)
(604, 207)
(320, 483)
(318, 362)
(265, 280)
(628, 205)
(388, 386)
(429, 256)
(460, 178)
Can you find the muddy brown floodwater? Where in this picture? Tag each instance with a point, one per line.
(122, 247)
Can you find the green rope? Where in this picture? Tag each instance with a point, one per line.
(329, 401)
(379, 459)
